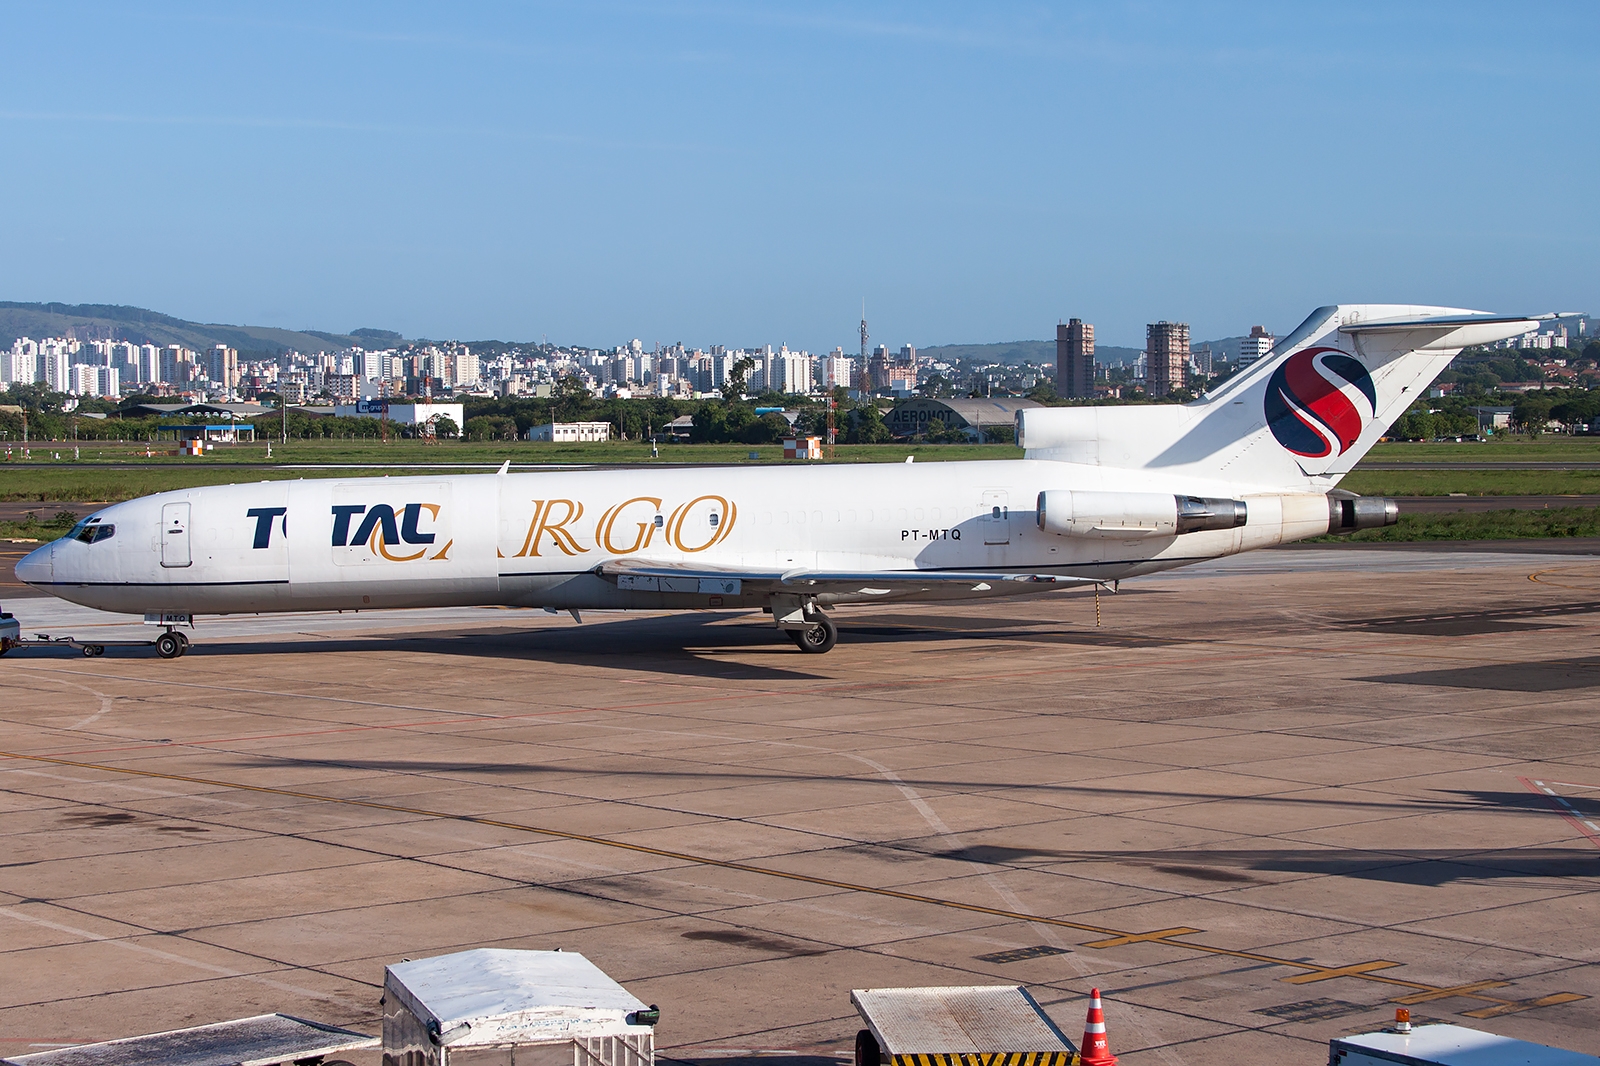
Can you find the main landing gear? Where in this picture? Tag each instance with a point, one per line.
(169, 645)
(818, 637)
(802, 619)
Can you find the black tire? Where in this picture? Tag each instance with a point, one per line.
(817, 638)
(182, 639)
(88, 651)
(168, 646)
(867, 1051)
(99, 649)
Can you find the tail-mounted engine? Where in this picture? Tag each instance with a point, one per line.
(1348, 512)
(1070, 513)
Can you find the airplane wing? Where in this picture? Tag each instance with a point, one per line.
(660, 576)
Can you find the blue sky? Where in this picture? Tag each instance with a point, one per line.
(748, 173)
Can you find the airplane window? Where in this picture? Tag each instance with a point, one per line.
(93, 533)
(660, 521)
(714, 519)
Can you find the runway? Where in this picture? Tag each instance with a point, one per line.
(1263, 803)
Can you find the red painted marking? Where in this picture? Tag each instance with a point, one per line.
(1576, 820)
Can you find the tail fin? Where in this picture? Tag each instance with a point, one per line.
(1308, 411)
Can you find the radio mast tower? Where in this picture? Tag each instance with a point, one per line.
(866, 384)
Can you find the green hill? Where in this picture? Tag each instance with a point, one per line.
(136, 324)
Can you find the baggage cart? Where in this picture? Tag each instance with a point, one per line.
(265, 1040)
(964, 1025)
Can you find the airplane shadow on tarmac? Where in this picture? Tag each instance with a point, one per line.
(1426, 866)
(685, 644)
(1418, 866)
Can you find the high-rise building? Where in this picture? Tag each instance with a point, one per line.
(839, 370)
(1075, 359)
(149, 364)
(789, 372)
(222, 366)
(21, 363)
(1166, 346)
(57, 369)
(177, 364)
(878, 368)
(1253, 347)
(90, 379)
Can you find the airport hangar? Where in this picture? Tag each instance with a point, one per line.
(972, 416)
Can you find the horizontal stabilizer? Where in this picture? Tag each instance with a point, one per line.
(1397, 325)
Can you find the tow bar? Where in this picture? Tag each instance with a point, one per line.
(169, 645)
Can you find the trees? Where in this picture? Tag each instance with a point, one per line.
(733, 385)
(1531, 412)
(867, 425)
(571, 398)
(491, 427)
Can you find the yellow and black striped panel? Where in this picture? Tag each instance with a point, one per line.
(1011, 1058)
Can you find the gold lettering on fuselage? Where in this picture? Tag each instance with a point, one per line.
(722, 523)
(647, 528)
(376, 541)
(560, 536)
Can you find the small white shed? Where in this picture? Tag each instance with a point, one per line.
(498, 1007)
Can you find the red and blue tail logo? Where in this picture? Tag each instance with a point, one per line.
(1314, 402)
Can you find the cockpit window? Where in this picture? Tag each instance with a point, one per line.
(92, 531)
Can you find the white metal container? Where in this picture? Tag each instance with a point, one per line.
(1447, 1045)
(498, 1007)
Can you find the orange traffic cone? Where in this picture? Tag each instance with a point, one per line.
(1095, 1051)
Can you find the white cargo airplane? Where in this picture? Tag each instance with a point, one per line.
(1104, 494)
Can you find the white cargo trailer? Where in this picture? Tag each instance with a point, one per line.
(498, 1007)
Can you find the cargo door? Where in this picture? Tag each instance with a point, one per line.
(175, 535)
(996, 517)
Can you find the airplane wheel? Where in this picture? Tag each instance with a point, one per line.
(88, 651)
(816, 639)
(168, 646)
(99, 649)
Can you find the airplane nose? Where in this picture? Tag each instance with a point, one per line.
(34, 568)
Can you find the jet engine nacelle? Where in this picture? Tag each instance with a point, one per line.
(1348, 512)
(1071, 513)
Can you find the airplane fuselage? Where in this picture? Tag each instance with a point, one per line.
(539, 539)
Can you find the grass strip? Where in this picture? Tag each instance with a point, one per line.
(1505, 524)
